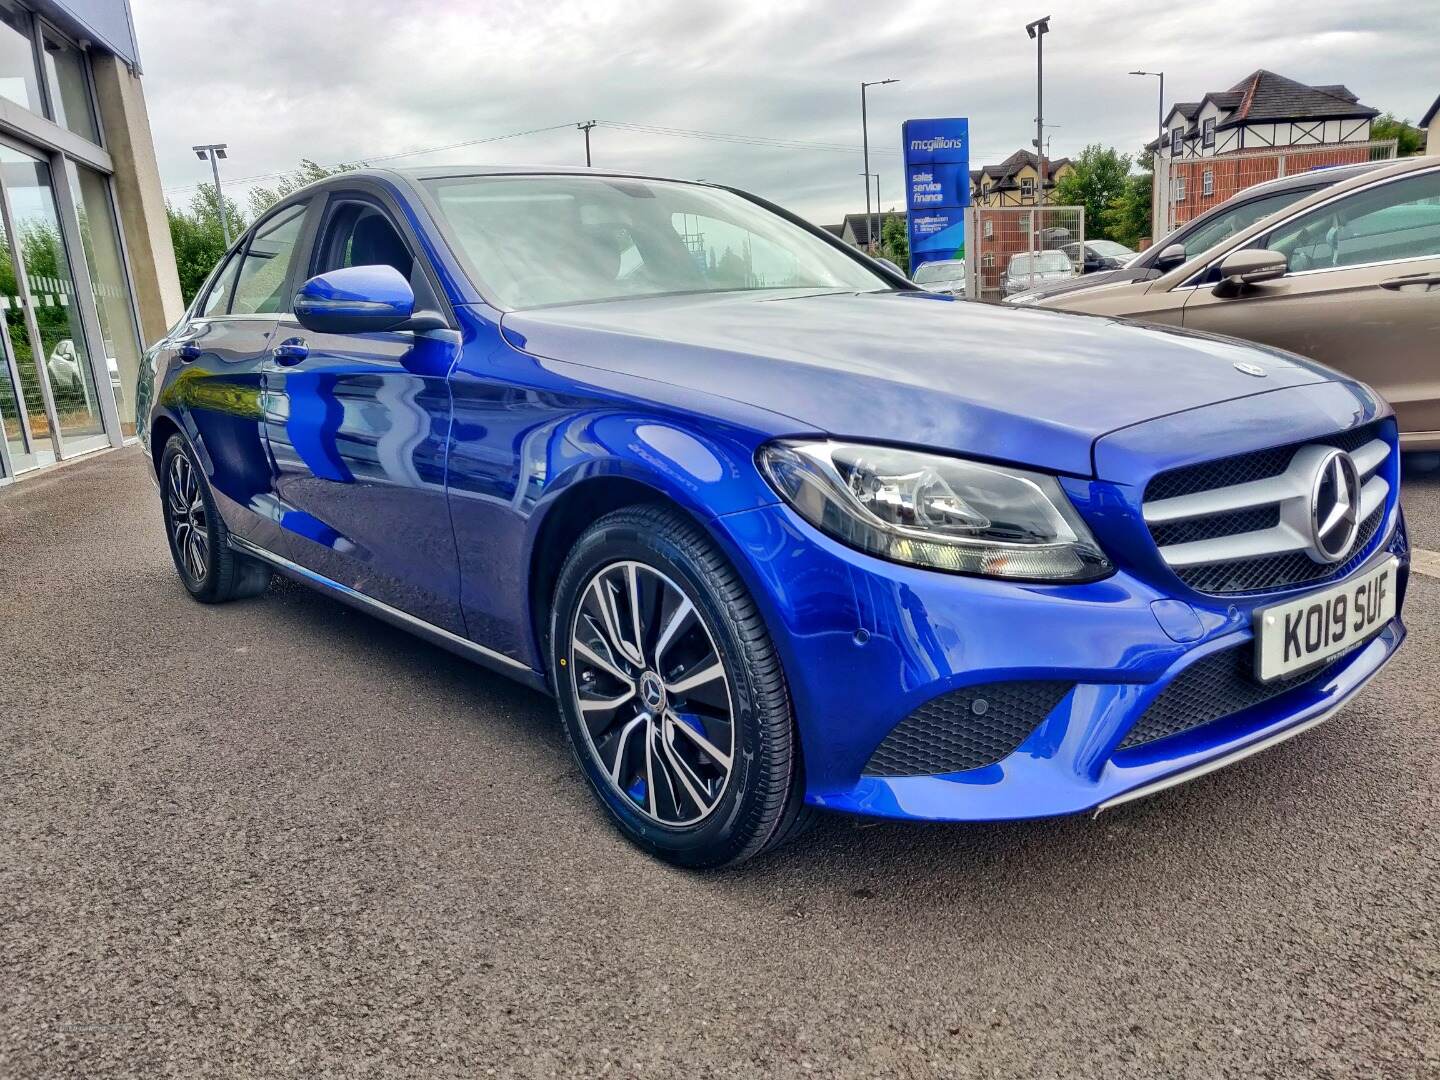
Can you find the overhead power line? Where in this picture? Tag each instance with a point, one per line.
(732, 137)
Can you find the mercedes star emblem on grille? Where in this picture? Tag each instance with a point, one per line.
(1334, 507)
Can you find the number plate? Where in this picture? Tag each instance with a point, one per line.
(1293, 636)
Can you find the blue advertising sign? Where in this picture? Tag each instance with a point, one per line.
(937, 187)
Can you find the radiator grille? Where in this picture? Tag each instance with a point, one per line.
(1234, 525)
(966, 729)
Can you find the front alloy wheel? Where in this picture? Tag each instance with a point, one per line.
(189, 528)
(652, 693)
(672, 693)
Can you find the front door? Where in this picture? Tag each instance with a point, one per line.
(1362, 293)
(357, 426)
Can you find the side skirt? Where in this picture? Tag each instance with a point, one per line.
(436, 635)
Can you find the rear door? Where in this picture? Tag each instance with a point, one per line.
(215, 380)
(1362, 293)
(358, 426)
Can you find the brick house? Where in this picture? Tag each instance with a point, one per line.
(1231, 139)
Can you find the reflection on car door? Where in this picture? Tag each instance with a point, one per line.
(358, 426)
(1362, 293)
(214, 386)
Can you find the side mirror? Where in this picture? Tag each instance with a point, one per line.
(1170, 258)
(1248, 267)
(359, 300)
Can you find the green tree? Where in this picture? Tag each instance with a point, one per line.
(262, 198)
(895, 241)
(196, 230)
(1127, 219)
(1097, 178)
(199, 238)
(1407, 138)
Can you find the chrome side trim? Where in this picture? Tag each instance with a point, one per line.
(403, 619)
(1185, 776)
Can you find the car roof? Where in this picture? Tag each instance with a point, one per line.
(1362, 178)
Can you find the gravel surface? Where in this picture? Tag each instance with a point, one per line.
(278, 838)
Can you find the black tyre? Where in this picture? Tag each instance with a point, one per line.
(672, 693)
(199, 541)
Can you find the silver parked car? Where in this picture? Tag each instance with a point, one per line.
(1027, 269)
(942, 276)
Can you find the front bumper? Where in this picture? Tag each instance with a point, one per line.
(865, 643)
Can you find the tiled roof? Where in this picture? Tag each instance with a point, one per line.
(859, 224)
(1267, 96)
(1430, 113)
(1003, 174)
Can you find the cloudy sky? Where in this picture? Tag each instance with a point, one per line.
(280, 79)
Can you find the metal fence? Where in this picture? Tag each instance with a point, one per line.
(1186, 187)
(1013, 248)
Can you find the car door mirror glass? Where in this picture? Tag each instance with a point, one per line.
(355, 300)
(1248, 267)
(1170, 258)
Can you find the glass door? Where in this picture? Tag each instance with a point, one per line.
(52, 313)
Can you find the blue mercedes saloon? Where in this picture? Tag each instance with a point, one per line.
(779, 531)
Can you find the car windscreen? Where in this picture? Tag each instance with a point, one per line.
(1109, 249)
(945, 270)
(1045, 262)
(539, 240)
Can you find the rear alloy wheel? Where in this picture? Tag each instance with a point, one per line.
(199, 541)
(672, 693)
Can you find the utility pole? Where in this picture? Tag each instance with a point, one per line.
(213, 152)
(585, 127)
(865, 141)
(1037, 30)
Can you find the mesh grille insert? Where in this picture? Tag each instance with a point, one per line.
(966, 729)
(1217, 686)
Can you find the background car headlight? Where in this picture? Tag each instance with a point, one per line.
(939, 512)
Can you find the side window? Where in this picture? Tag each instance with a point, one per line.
(727, 254)
(359, 234)
(1225, 225)
(1398, 220)
(261, 286)
(217, 300)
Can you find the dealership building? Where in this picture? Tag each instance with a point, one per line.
(87, 271)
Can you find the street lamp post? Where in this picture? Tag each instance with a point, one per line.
(213, 152)
(1037, 30)
(865, 140)
(1160, 116)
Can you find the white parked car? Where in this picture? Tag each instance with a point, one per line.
(942, 276)
(1028, 269)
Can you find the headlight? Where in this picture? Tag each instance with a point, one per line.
(1022, 298)
(943, 513)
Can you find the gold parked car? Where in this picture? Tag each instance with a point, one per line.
(1349, 276)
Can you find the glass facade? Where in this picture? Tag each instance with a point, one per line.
(70, 348)
(19, 81)
(100, 237)
(68, 86)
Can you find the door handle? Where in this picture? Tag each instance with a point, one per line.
(290, 352)
(1395, 283)
(188, 352)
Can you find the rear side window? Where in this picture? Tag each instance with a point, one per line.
(1398, 220)
(260, 288)
(217, 300)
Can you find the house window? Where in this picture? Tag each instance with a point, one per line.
(1207, 182)
(1179, 189)
(1027, 188)
(988, 259)
(989, 228)
(1177, 137)
(1207, 132)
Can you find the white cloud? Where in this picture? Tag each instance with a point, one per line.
(281, 80)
